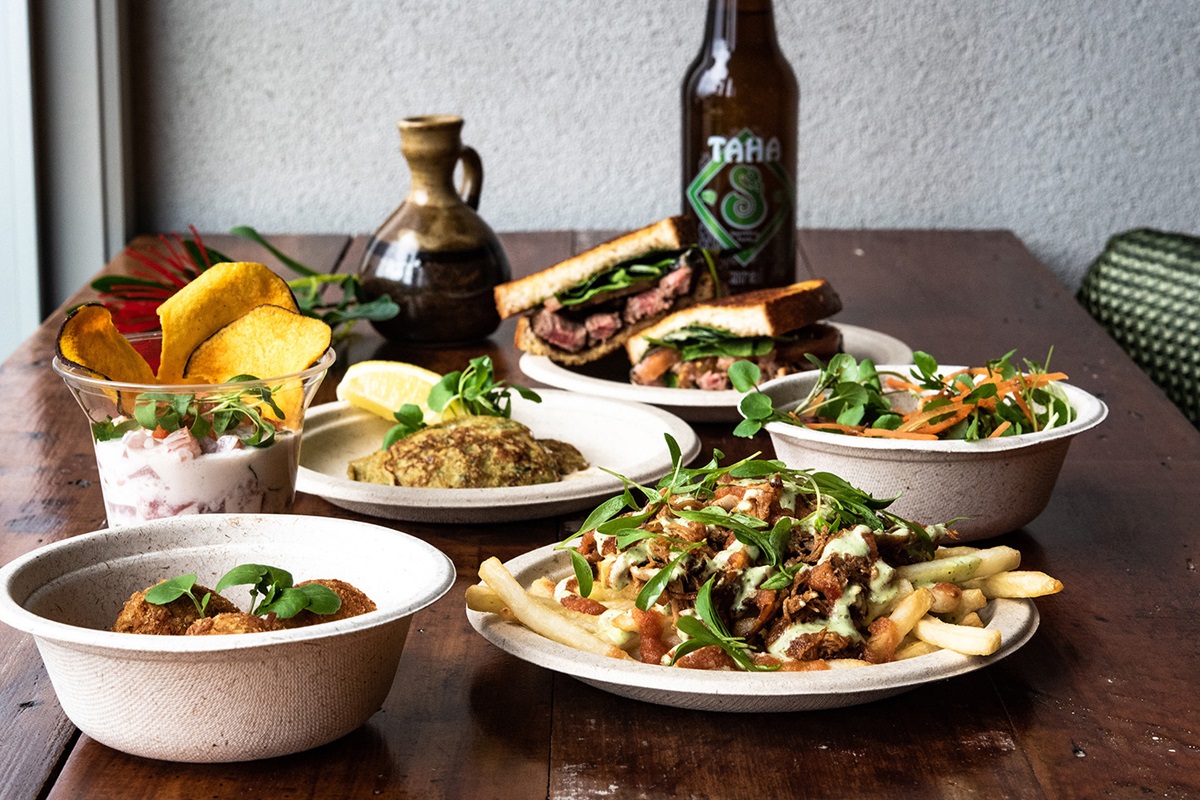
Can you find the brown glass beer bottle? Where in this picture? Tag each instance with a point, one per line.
(740, 104)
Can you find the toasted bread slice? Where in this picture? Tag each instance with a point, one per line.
(673, 233)
(525, 339)
(766, 312)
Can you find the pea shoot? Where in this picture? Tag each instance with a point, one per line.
(473, 390)
(271, 592)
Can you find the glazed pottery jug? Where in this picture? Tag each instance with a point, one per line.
(434, 256)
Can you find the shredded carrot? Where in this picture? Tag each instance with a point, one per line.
(899, 383)
(884, 433)
(1000, 429)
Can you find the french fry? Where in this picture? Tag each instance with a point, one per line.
(959, 638)
(961, 568)
(482, 598)
(1016, 584)
(971, 601)
(914, 648)
(971, 620)
(951, 552)
(946, 598)
(887, 632)
(540, 619)
(910, 610)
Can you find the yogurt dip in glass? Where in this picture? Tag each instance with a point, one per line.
(247, 466)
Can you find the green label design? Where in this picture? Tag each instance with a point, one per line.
(750, 211)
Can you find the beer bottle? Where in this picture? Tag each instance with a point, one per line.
(740, 103)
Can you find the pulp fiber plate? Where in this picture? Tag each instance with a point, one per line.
(740, 691)
(611, 378)
(626, 438)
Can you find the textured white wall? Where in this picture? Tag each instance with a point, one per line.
(1065, 121)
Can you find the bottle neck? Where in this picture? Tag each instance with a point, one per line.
(748, 23)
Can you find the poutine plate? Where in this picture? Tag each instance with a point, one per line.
(1017, 620)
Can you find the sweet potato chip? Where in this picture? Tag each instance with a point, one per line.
(220, 295)
(266, 342)
(89, 339)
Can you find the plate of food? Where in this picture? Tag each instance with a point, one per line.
(679, 363)
(609, 434)
(778, 589)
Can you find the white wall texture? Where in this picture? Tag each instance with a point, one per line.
(1065, 121)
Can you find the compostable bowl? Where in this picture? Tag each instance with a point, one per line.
(220, 698)
(991, 486)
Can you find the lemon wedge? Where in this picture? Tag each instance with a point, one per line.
(381, 387)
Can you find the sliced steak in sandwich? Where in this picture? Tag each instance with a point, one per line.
(590, 305)
(775, 328)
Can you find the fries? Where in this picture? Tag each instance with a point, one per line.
(1016, 584)
(960, 638)
(538, 617)
(936, 614)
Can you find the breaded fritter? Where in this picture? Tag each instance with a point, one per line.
(354, 602)
(235, 622)
(172, 619)
(469, 452)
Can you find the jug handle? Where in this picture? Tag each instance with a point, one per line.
(472, 183)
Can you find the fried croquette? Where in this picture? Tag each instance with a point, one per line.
(172, 619)
(354, 602)
(235, 622)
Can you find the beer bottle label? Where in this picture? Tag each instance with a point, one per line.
(742, 194)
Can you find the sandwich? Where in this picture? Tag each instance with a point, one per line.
(590, 305)
(777, 329)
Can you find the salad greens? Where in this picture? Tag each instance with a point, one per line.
(473, 390)
(852, 397)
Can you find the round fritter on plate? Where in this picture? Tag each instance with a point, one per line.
(469, 452)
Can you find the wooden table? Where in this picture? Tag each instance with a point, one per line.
(1102, 702)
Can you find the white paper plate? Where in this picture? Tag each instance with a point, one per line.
(739, 691)
(626, 438)
(697, 405)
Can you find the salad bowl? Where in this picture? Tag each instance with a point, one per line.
(988, 486)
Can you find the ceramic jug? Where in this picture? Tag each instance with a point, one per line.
(434, 256)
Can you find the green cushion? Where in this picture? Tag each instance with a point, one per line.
(1145, 290)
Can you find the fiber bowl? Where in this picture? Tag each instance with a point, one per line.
(220, 698)
(995, 485)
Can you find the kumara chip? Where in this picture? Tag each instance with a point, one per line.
(267, 342)
(220, 294)
(89, 339)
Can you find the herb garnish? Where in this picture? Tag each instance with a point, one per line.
(849, 396)
(212, 415)
(473, 391)
(273, 584)
(834, 504)
(706, 629)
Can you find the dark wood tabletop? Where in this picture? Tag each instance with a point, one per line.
(1102, 702)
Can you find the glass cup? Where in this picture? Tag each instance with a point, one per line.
(168, 450)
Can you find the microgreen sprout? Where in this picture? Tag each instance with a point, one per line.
(271, 591)
(706, 629)
(473, 391)
(206, 416)
(168, 591)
